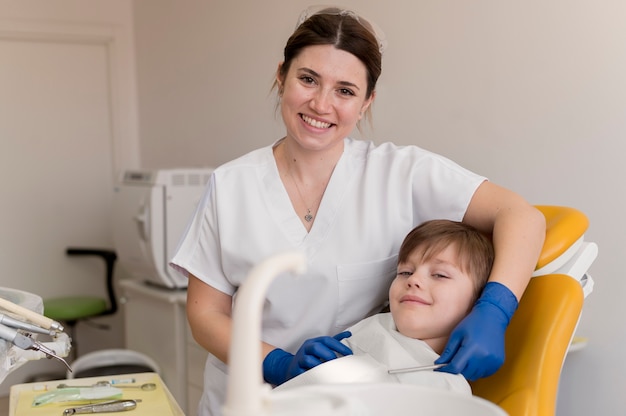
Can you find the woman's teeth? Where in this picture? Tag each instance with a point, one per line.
(315, 123)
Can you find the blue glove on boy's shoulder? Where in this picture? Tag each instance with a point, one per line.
(280, 366)
(476, 346)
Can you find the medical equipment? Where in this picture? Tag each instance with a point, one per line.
(165, 338)
(248, 396)
(565, 250)
(8, 321)
(537, 343)
(155, 402)
(27, 343)
(32, 316)
(150, 213)
(19, 332)
(541, 331)
(107, 407)
(77, 394)
(144, 386)
(420, 368)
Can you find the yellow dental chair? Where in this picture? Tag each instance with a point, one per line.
(542, 328)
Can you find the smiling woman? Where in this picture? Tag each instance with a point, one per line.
(323, 97)
(347, 204)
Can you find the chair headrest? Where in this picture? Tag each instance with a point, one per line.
(564, 227)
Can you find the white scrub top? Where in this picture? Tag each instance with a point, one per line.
(375, 196)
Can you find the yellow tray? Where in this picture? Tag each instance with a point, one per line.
(158, 402)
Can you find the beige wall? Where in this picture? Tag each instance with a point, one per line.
(532, 94)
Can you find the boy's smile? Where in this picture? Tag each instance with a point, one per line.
(429, 298)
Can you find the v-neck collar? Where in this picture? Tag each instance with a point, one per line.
(281, 208)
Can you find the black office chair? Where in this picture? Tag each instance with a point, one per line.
(72, 309)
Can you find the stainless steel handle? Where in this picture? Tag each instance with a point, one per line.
(106, 407)
(420, 368)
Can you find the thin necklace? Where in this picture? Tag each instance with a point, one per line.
(308, 217)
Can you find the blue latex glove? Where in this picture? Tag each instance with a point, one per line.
(476, 346)
(280, 366)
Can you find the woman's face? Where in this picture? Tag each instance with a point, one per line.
(323, 96)
(429, 298)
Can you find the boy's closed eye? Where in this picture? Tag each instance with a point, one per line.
(440, 276)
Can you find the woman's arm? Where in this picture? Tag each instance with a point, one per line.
(476, 346)
(209, 313)
(518, 230)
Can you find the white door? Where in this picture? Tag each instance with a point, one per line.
(56, 165)
(58, 159)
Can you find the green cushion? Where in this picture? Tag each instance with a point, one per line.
(73, 308)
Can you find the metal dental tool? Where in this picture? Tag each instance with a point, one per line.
(32, 316)
(420, 368)
(144, 387)
(14, 323)
(27, 343)
(106, 407)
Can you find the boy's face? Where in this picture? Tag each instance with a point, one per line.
(429, 298)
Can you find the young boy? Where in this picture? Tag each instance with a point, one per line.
(442, 267)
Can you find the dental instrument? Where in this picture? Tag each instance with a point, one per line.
(86, 394)
(14, 323)
(27, 343)
(32, 316)
(418, 368)
(123, 380)
(144, 386)
(106, 407)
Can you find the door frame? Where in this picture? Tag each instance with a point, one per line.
(121, 75)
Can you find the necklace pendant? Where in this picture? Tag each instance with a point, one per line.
(308, 217)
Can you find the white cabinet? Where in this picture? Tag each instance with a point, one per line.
(156, 325)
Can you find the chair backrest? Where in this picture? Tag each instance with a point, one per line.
(540, 332)
(109, 257)
(565, 226)
(536, 344)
